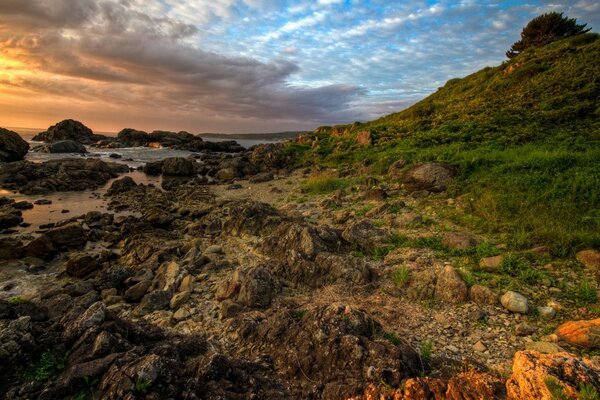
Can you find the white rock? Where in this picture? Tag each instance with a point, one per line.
(515, 302)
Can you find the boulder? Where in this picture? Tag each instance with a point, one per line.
(121, 185)
(540, 376)
(178, 166)
(62, 146)
(459, 241)
(491, 262)
(257, 287)
(268, 156)
(450, 287)
(590, 259)
(68, 130)
(71, 236)
(366, 235)
(9, 218)
(483, 295)
(12, 146)
(41, 247)
(132, 138)
(580, 333)
(432, 177)
(82, 265)
(515, 302)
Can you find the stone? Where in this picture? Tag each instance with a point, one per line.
(94, 315)
(364, 138)
(62, 146)
(432, 177)
(82, 265)
(121, 185)
(396, 168)
(532, 371)
(41, 247)
(580, 333)
(178, 166)
(261, 177)
(524, 329)
(227, 174)
(156, 300)
(515, 302)
(590, 259)
(482, 295)
(71, 236)
(459, 241)
(181, 314)
(178, 299)
(544, 347)
(257, 287)
(229, 309)
(450, 287)
(406, 219)
(12, 146)
(214, 249)
(366, 235)
(137, 291)
(68, 130)
(491, 262)
(479, 347)
(546, 312)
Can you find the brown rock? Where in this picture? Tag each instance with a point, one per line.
(40, 247)
(589, 258)
(459, 241)
(483, 295)
(491, 262)
(450, 286)
(137, 291)
(433, 177)
(364, 138)
(580, 333)
(71, 236)
(82, 265)
(532, 371)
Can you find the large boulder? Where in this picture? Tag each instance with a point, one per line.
(132, 138)
(12, 146)
(580, 333)
(121, 185)
(177, 166)
(432, 177)
(68, 130)
(535, 374)
(366, 235)
(268, 156)
(63, 146)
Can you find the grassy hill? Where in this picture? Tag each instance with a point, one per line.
(526, 135)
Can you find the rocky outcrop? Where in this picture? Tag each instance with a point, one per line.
(546, 377)
(433, 177)
(580, 333)
(58, 176)
(63, 146)
(69, 130)
(443, 284)
(268, 156)
(12, 146)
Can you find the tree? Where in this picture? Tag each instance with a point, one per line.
(546, 28)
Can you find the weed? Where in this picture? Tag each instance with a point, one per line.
(467, 277)
(47, 367)
(586, 293)
(17, 300)
(392, 338)
(401, 276)
(426, 350)
(324, 183)
(142, 385)
(555, 388)
(587, 391)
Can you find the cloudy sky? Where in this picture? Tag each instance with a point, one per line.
(247, 65)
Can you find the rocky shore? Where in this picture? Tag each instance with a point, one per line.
(235, 280)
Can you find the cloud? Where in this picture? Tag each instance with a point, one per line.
(113, 53)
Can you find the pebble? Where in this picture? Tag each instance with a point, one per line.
(546, 312)
(515, 302)
(479, 347)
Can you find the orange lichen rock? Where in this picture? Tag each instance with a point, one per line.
(580, 333)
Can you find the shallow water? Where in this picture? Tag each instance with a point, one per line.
(75, 203)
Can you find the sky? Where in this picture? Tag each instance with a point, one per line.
(245, 66)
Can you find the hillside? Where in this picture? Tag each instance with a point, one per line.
(525, 134)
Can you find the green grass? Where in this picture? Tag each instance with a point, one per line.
(588, 392)
(17, 300)
(392, 338)
(48, 366)
(401, 276)
(324, 183)
(555, 388)
(526, 142)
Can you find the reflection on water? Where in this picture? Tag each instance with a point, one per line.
(70, 204)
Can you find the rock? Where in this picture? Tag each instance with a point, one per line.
(366, 235)
(9, 219)
(178, 166)
(121, 185)
(229, 309)
(364, 138)
(268, 156)
(580, 333)
(422, 285)
(491, 262)
(433, 177)
(515, 302)
(178, 299)
(42, 202)
(589, 258)
(227, 174)
(137, 291)
(483, 295)
(68, 130)
(132, 138)
(546, 312)
(395, 170)
(71, 236)
(544, 347)
(94, 315)
(524, 329)
(257, 287)
(181, 314)
(479, 347)
(63, 146)
(459, 241)
(261, 177)
(82, 265)
(406, 219)
(533, 373)
(12, 146)
(41, 247)
(450, 286)
(214, 249)
(156, 300)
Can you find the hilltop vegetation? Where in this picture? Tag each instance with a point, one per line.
(525, 135)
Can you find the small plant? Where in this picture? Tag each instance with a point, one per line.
(48, 366)
(142, 385)
(555, 388)
(587, 391)
(17, 300)
(467, 277)
(586, 293)
(426, 350)
(485, 249)
(324, 183)
(392, 338)
(401, 276)
(513, 265)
